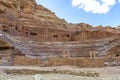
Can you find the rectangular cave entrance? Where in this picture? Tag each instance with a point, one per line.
(32, 33)
(4, 29)
(55, 36)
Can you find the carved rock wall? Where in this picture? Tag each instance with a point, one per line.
(25, 18)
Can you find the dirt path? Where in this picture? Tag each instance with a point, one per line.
(107, 73)
(102, 71)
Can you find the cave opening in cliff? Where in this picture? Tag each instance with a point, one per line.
(55, 36)
(34, 34)
(16, 27)
(4, 30)
(10, 25)
(4, 48)
(26, 32)
(4, 26)
(4, 45)
(67, 36)
(117, 55)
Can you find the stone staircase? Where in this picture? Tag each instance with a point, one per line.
(107, 47)
(41, 50)
(18, 44)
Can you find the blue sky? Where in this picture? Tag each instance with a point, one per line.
(94, 12)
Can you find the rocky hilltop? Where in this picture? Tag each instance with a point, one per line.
(39, 33)
(27, 18)
(28, 13)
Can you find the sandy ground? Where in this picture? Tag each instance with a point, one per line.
(58, 77)
(106, 73)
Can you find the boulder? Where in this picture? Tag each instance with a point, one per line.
(38, 77)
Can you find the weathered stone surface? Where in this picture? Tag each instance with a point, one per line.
(26, 18)
(54, 37)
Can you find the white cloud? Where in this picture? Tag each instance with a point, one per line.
(94, 6)
(119, 1)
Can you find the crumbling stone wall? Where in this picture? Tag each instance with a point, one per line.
(80, 62)
(26, 61)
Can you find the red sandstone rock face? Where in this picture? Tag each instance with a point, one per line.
(83, 26)
(27, 19)
(51, 37)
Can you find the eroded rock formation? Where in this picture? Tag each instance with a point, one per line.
(54, 36)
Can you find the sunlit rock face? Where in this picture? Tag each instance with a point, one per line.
(27, 18)
(52, 36)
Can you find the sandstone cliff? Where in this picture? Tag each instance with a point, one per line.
(53, 36)
(27, 12)
(27, 18)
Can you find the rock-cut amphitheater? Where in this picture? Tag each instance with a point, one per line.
(30, 34)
